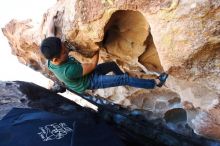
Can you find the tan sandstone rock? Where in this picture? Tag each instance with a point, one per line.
(178, 36)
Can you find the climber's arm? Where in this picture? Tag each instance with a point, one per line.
(51, 27)
(89, 67)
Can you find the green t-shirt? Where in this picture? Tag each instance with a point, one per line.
(71, 74)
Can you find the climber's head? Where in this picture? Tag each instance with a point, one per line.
(53, 49)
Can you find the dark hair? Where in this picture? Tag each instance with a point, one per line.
(51, 47)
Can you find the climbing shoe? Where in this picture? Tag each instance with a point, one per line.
(162, 77)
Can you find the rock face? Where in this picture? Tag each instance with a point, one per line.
(177, 36)
(134, 127)
(28, 95)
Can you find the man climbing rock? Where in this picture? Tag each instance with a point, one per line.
(82, 76)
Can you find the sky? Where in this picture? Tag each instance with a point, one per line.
(11, 69)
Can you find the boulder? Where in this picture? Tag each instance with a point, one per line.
(142, 36)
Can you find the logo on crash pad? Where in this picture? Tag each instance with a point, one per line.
(54, 131)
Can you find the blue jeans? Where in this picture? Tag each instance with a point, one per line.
(99, 79)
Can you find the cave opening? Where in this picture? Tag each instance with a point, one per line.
(127, 36)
